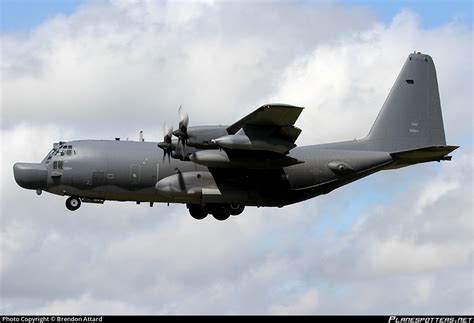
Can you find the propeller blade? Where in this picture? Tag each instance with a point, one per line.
(167, 144)
(182, 132)
(183, 120)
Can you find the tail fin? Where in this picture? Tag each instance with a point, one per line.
(411, 115)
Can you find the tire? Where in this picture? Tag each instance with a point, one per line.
(236, 209)
(221, 215)
(73, 203)
(197, 211)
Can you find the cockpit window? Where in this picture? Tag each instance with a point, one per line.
(65, 150)
(50, 155)
(62, 150)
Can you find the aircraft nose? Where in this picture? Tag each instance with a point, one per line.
(30, 176)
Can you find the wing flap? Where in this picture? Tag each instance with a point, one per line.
(289, 133)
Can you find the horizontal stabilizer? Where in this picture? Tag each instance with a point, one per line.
(422, 155)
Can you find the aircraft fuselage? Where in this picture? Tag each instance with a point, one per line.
(133, 171)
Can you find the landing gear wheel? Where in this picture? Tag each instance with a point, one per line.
(197, 211)
(73, 203)
(236, 209)
(221, 215)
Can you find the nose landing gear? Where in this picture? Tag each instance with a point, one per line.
(73, 203)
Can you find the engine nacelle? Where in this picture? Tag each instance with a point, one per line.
(246, 159)
(201, 136)
(243, 142)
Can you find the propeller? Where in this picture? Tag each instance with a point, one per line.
(167, 144)
(182, 131)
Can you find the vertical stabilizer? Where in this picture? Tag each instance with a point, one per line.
(411, 115)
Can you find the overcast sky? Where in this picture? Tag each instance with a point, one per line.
(398, 242)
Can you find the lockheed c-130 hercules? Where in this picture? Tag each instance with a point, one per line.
(219, 170)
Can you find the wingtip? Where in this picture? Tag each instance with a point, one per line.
(280, 105)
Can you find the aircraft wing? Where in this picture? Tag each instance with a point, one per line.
(261, 140)
(270, 119)
(269, 128)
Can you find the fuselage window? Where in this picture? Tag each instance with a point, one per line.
(60, 164)
(55, 165)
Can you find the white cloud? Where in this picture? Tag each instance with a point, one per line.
(306, 303)
(88, 305)
(432, 193)
(107, 61)
(111, 68)
(343, 84)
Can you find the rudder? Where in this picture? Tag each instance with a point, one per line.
(411, 116)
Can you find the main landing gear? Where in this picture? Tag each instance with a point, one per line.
(73, 203)
(220, 212)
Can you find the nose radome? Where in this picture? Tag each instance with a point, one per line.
(30, 175)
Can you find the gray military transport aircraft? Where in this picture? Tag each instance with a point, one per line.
(219, 170)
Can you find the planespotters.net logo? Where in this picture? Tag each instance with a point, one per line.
(447, 319)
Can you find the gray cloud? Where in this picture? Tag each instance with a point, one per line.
(113, 68)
